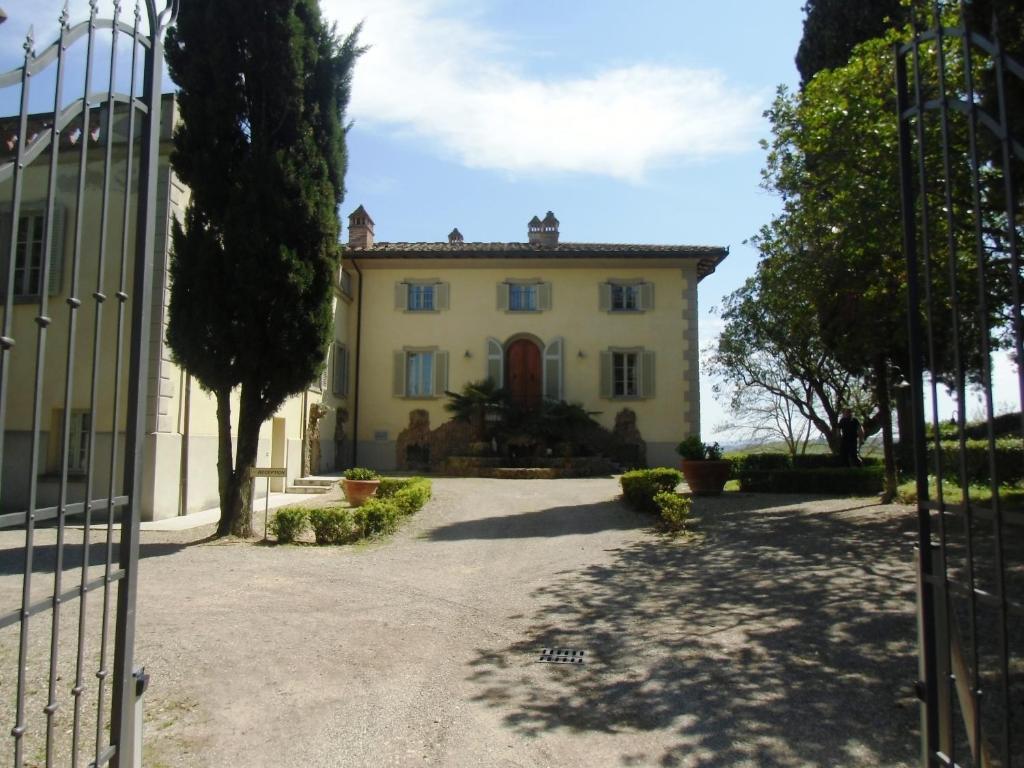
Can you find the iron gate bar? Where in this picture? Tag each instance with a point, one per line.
(51, 702)
(926, 692)
(939, 635)
(120, 747)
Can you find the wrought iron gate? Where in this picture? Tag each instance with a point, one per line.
(960, 99)
(77, 197)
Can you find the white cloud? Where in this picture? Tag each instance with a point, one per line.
(445, 78)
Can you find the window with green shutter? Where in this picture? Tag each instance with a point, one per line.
(516, 295)
(420, 373)
(627, 374)
(340, 377)
(421, 295)
(626, 296)
(28, 251)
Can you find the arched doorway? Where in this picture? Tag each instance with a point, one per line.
(523, 372)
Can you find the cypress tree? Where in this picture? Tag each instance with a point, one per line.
(264, 85)
(833, 27)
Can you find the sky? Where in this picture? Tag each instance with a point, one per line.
(634, 122)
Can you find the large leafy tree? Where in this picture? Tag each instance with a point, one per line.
(833, 158)
(263, 89)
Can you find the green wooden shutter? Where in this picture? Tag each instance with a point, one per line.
(440, 373)
(544, 296)
(647, 374)
(553, 369)
(401, 295)
(646, 296)
(398, 385)
(604, 297)
(503, 296)
(441, 296)
(340, 370)
(496, 362)
(606, 374)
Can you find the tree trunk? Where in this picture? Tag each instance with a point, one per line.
(225, 463)
(235, 482)
(250, 419)
(885, 411)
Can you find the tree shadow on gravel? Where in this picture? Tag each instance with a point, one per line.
(785, 638)
(557, 521)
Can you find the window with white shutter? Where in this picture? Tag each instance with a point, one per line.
(496, 362)
(553, 385)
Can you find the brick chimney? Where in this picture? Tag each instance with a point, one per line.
(455, 237)
(549, 231)
(533, 231)
(360, 229)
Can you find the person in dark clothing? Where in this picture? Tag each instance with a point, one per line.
(851, 434)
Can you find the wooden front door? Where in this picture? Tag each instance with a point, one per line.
(522, 373)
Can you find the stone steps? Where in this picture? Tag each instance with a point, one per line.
(311, 485)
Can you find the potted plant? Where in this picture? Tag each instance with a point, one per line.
(703, 466)
(360, 484)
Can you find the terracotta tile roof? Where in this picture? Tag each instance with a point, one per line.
(708, 256)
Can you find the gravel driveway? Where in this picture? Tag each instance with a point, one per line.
(784, 637)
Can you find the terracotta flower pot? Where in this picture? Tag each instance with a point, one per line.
(706, 478)
(358, 491)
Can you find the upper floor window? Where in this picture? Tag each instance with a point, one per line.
(421, 295)
(345, 282)
(524, 296)
(626, 296)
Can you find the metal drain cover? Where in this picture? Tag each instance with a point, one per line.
(561, 656)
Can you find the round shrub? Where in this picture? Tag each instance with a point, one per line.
(640, 486)
(674, 510)
(288, 524)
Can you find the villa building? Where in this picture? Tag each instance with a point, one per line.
(607, 325)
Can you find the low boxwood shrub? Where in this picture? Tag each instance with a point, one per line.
(289, 523)
(332, 525)
(376, 517)
(640, 486)
(411, 498)
(674, 510)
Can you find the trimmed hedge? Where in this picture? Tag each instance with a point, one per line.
(856, 481)
(1009, 460)
(334, 524)
(640, 486)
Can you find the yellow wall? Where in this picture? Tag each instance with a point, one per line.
(669, 330)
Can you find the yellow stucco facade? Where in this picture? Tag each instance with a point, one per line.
(469, 324)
